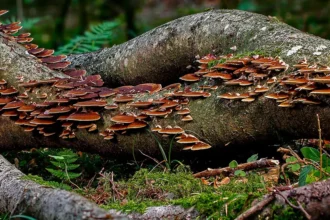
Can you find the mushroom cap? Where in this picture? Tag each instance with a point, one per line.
(190, 77)
(58, 110)
(123, 119)
(324, 79)
(13, 105)
(200, 146)
(38, 121)
(170, 130)
(118, 127)
(188, 140)
(110, 107)
(184, 111)
(187, 118)
(140, 104)
(123, 98)
(84, 116)
(170, 104)
(296, 81)
(4, 101)
(277, 96)
(9, 91)
(218, 75)
(91, 103)
(27, 108)
(321, 91)
(137, 124)
(9, 113)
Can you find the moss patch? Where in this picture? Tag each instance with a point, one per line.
(147, 189)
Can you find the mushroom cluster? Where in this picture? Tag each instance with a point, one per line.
(303, 86)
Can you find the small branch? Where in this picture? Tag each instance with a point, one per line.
(245, 167)
(155, 160)
(320, 142)
(256, 208)
(294, 206)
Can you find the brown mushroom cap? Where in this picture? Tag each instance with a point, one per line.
(9, 91)
(92, 103)
(190, 78)
(218, 75)
(118, 127)
(13, 105)
(200, 146)
(187, 118)
(123, 98)
(4, 101)
(58, 110)
(296, 81)
(9, 113)
(124, 119)
(140, 104)
(277, 96)
(170, 130)
(110, 107)
(84, 116)
(27, 108)
(324, 79)
(286, 104)
(170, 104)
(188, 140)
(321, 91)
(38, 121)
(137, 124)
(184, 111)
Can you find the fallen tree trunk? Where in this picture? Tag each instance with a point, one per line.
(163, 54)
(219, 122)
(19, 195)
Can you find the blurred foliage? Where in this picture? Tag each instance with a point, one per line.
(99, 36)
(57, 23)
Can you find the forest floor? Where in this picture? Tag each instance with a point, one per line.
(133, 186)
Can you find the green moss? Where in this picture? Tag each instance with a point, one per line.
(288, 213)
(42, 182)
(147, 189)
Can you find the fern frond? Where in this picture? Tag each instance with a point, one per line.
(98, 36)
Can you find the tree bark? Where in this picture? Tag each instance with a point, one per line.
(162, 54)
(25, 196)
(314, 198)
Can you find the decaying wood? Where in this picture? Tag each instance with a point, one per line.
(263, 163)
(19, 195)
(313, 200)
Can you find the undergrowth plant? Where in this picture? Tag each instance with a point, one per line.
(99, 36)
(169, 163)
(64, 162)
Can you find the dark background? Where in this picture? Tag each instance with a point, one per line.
(54, 23)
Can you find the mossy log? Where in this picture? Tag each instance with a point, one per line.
(162, 55)
(221, 123)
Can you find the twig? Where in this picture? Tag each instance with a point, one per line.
(256, 208)
(245, 167)
(294, 206)
(320, 142)
(287, 181)
(156, 161)
(160, 163)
